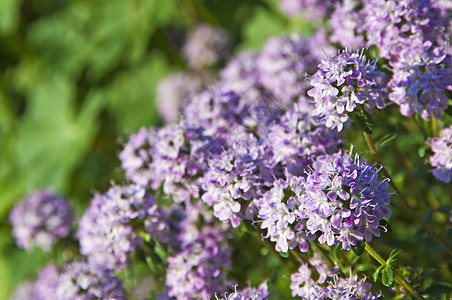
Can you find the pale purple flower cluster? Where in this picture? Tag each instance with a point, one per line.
(283, 62)
(413, 35)
(196, 271)
(342, 82)
(83, 281)
(175, 92)
(327, 284)
(205, 46)
(23, 291)
(248, 293)
(339, 201)
(47, 282)
(441, 160)
(241, 76)
(106, 232)
(314, 10)
(345, 23)
(41, 219)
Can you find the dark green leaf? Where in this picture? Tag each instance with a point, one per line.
(377, 273)
(387, 276)
(363, 120)
(386, 140)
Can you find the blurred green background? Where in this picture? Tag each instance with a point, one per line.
(77, 77)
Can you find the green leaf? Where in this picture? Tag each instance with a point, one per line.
(391, 257)
(9, 16)
(336, 253)
(363, 119)
(377, 272)
(261, 26)
(387, 276)
(386, 140)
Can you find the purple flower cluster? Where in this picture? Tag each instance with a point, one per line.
(83, 281)
(316, 280)
(40, 219)
(342, 82)
(205, 46)
(47, 282)
(314, 10)
(340, 200)
(106, 231)
(441, 160)
(412, 35)
(196, 271)
(175, 92)
(248, 293)
(283, 62)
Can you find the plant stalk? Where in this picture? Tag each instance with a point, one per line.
(402, 197)
(372, 252)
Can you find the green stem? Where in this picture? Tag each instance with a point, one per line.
(372, 252)
(402, 197)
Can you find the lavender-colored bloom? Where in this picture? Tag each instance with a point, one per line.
(106, 233)
(248, 293)
(345, 23)
(341, 200)
(298, 137)
(419, 85)
(314, 10)
(234, 176)
(342, 82)
(175, 92)
(441, 160)
(83, 281)
(282, 65)
(196, 271)
(396, 26)
(23, 291)
(241, 76)
(47, 283)
(205, 46)
(328, 284)
(40, 219)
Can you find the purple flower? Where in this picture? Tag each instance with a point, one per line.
(46, 284)
(196, 271)
(340, 200)
(342, 82)
(314, 10)
(441, 160)
(282, 65)
(346, 25)
(83, 281)
(175, 92)
(205, 46)
(419, 85)
(106, 234)
(248, 293)
(40, 219)
(23, 291)
(241, 76)
(328, 284)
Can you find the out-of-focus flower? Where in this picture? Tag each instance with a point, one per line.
(40, 219)
(441, 160)
(327, 283)
(83, 281)
(106, 232)
(175, 92)
(46, 284)
(248, 293)
(205, 46)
